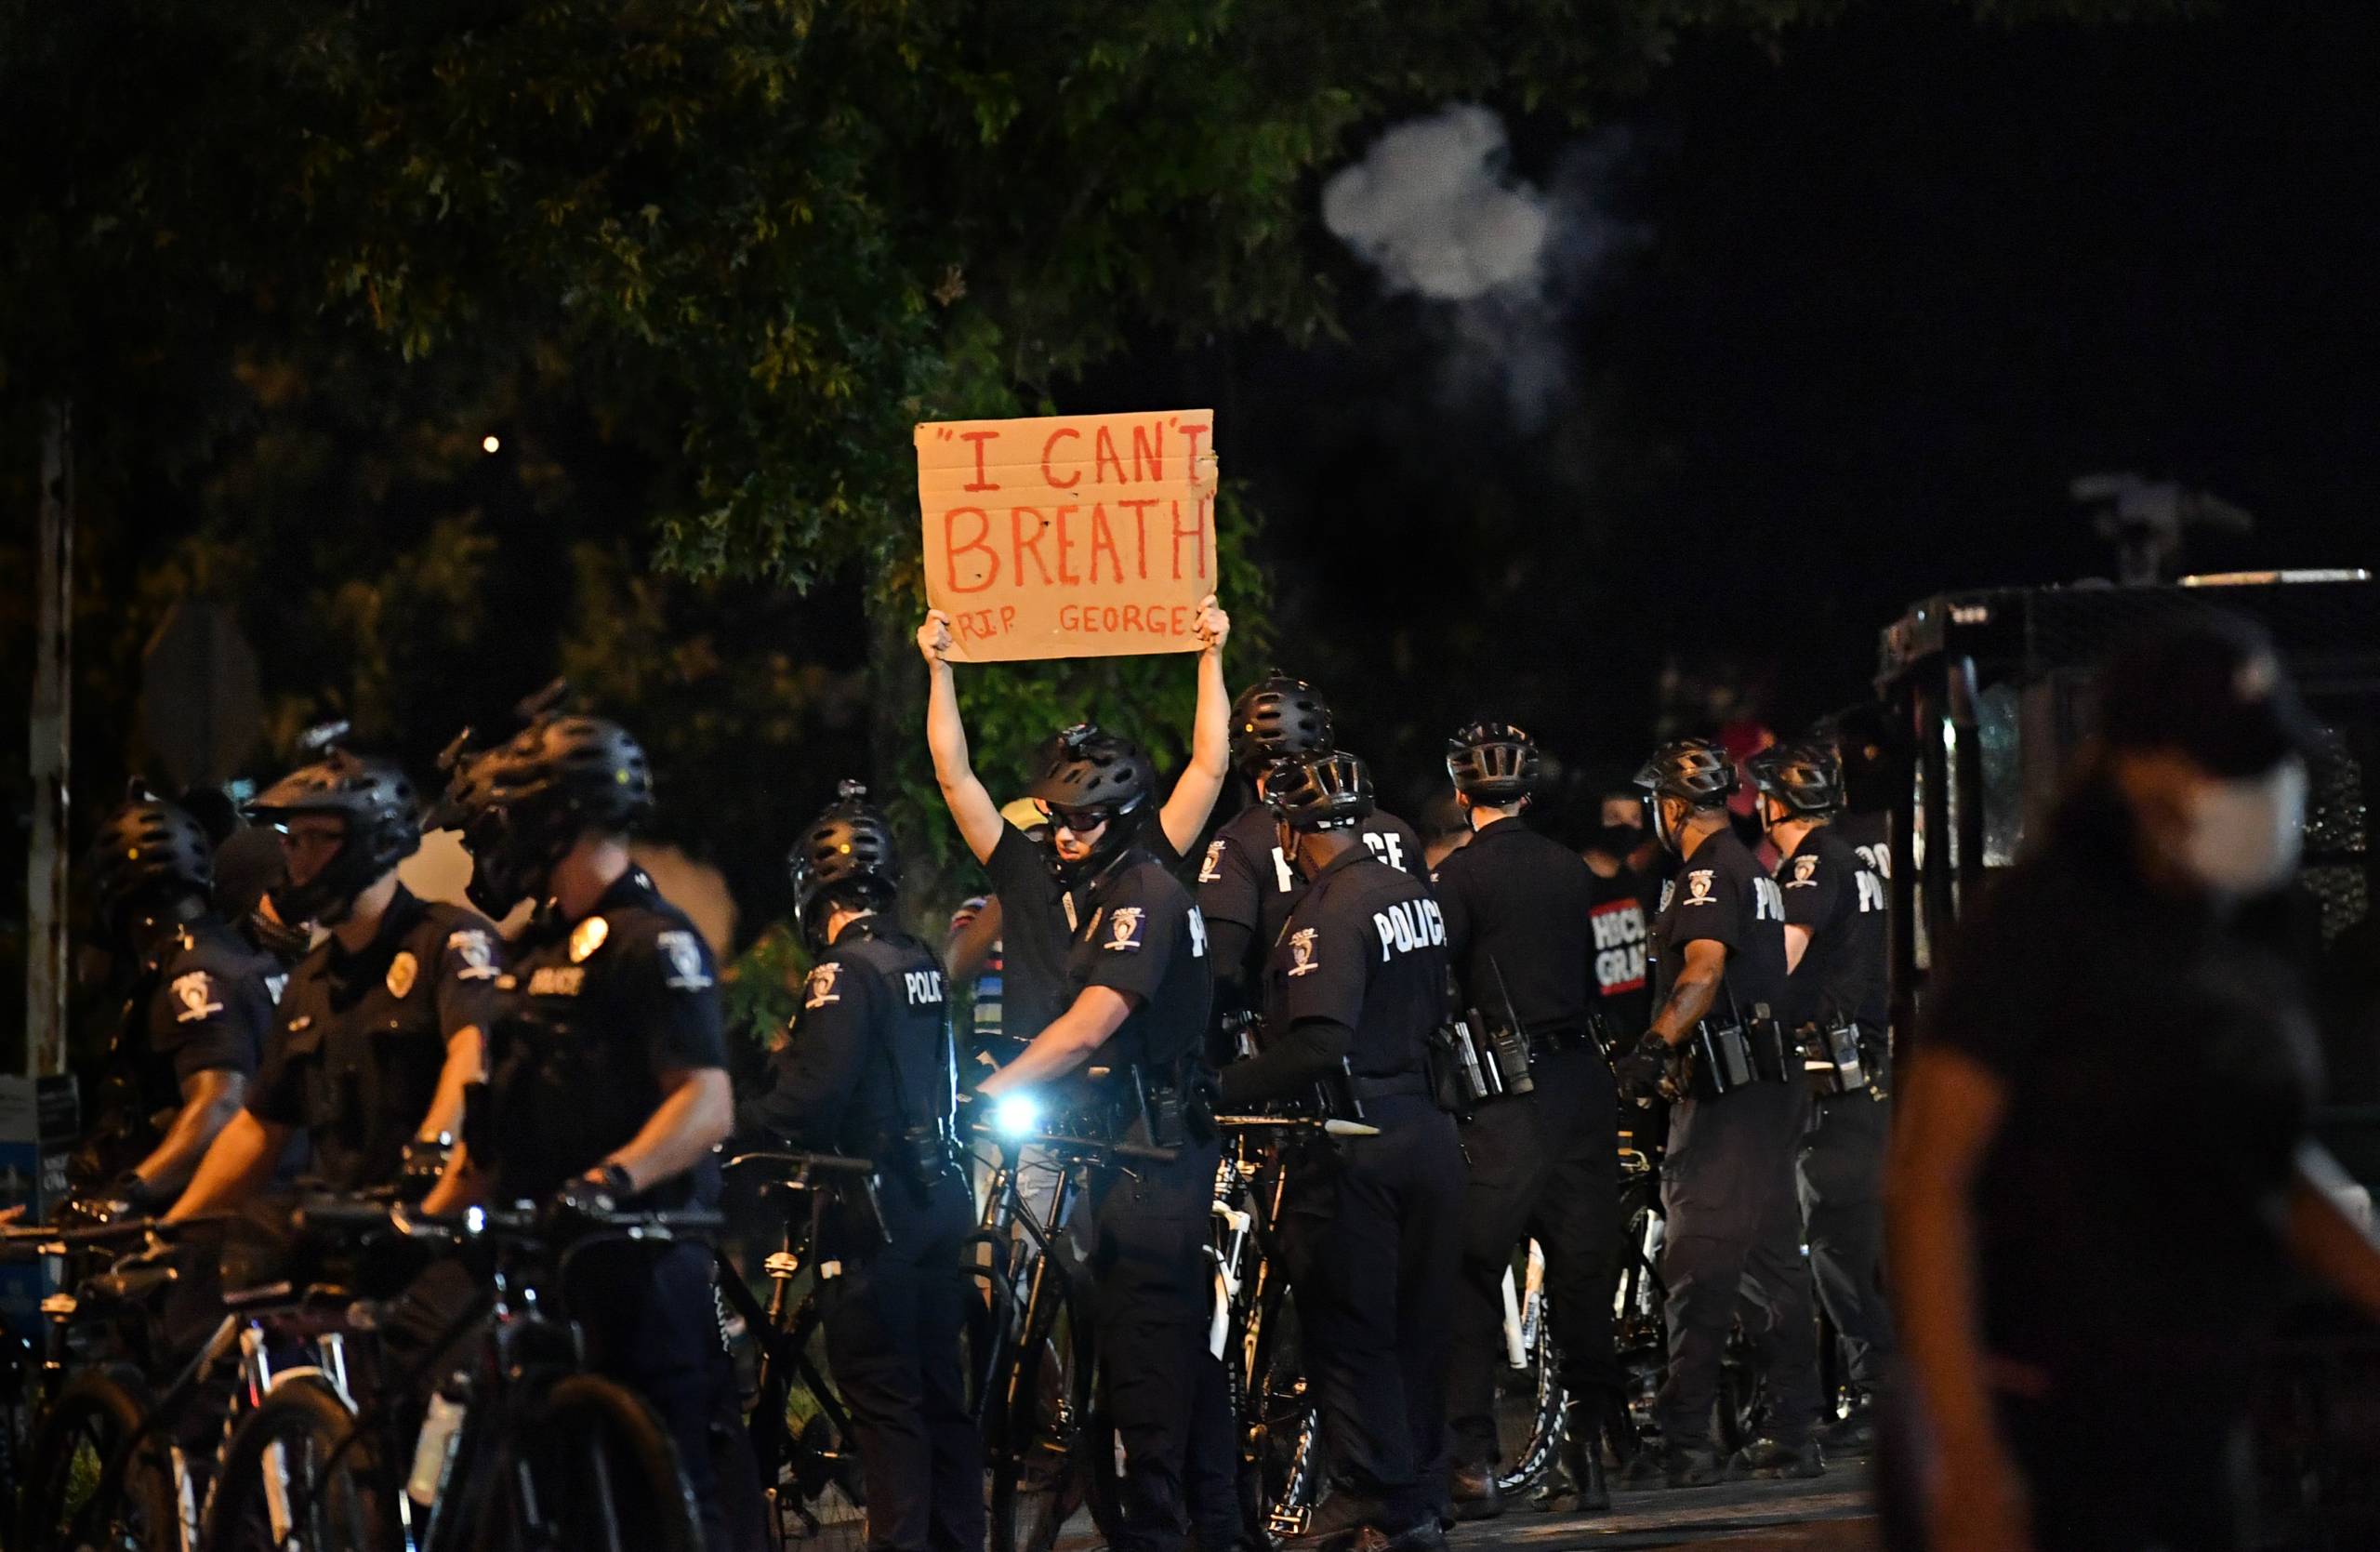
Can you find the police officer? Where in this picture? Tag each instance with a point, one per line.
(382, 1026)
(867, 1073)
(1138, 966)
(1246, 885)
(1038, 915)
(194, 1015)
(607, 1069)
(1354, 993)
(1520, 931)
(1838, 1002)
(1732, 1237)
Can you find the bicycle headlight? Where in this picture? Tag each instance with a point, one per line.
(1016, 1115)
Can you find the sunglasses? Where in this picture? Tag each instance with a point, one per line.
(1080, 821)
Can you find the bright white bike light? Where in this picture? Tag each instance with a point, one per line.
(1016, 1115)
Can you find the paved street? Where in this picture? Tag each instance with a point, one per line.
(1830, 1515)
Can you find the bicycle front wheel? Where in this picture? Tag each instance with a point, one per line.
(590, 1469)
(298, 1477)
(97, 1475)
(1051, 1456)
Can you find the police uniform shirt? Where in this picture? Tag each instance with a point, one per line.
(1619, 924)
(1719, 895)
(360, 1037)
(1247, 885)
(1364, 947)
(872, 1008)
(1518, 927)
(205, 1008)
(1871, 836)
(2160, 1072)
(596, 1011)
(1830, 890)
(1143, 937)
(1039, 917)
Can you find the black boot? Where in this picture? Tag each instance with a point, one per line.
(1778, 1458)
(1474, 1493)
(1576, 1485)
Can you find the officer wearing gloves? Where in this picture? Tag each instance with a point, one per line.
(607, 1069)
(1137, 965)
(1542, 1141)
(1354, 993)
(1838, 1003)
(867, 1073)
(382, 1026)
(2106, 1116)
(195, 1012)
(1246, 885)
(1732, 1243)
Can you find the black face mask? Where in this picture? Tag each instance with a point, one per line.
(1618, 840)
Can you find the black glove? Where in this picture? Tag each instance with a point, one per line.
(583, 1200)
(1639, 1071)
(423, 1166)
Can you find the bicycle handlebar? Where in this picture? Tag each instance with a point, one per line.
(1328, 1126)
(1067, 1143)
(346, 1217)
(806, 1163)
(36, 1239)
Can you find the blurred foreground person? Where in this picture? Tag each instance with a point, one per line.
(2103, 1166)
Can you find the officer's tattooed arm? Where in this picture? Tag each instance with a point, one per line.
(239, 1163)
(1201, 782)
(977, 817)
(1066, 1043)
(1696, 990)
(210, 1099)
(697, 1111)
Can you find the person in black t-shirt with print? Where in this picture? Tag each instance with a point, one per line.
(1040, 915)
(1136, 969)
(1732, 1242)
(1353, 993)
(1520, 933)
(1836, 948)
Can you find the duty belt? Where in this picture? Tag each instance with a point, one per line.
(1723, 1058)
(1545, 1042)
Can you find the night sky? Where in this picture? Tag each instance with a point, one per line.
(1901, 280)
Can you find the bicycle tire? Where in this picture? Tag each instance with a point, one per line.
(1045, 1455)
(326, 1474)
(602, 1475)
(79, 1435)
(1528, 1409)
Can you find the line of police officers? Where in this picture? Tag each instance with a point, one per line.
(1481, 1023)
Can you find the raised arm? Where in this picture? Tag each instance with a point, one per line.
(1201, 782)
(978, 818)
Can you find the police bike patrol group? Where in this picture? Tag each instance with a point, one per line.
(1305, 1194)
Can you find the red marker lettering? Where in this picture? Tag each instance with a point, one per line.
(1141, 506)
(1050, 479)
(1104, 457)
(983, 479)
(1102, 541)
(952, 549)
(1023, 545)
(1197, 530)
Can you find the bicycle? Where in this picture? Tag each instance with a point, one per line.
(820, 1453)
(527, 1451)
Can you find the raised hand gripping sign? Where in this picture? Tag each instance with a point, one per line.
(1073, 536)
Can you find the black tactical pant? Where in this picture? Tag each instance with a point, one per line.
(1731, 1245)
(1544, 1164)
(1163, 1392)
(1373, 1237)
(893, 1320)
(1841, 1175)
(651, 1322)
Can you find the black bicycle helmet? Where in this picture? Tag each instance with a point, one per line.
(1326, 790)
(383, 818)
(1275, 718)
(1697, 770)
(521, 804)
(1861, 736)
(1803, 776)
(847, 856)
(1493, 763)
(148, 854)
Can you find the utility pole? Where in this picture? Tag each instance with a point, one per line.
(46, 866)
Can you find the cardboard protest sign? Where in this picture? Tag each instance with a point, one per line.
(1075, 535)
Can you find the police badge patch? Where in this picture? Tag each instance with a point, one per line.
(1211, 870)
(822, 985)
(1301, 950)
(471, 946)
(588, 937)
(1697, 886)
(685, 956)
(401, 971)
(1124, 929)
(1805, 874)
(195, 992)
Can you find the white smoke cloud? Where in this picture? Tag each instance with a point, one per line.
(1432, 207)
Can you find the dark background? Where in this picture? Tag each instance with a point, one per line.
(1905, 278)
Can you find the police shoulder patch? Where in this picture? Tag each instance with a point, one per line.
(588, 937)
(1124, 929)
(1805, 874)
(683, 953)
(474, 955)
(195, 992)
(1698, 886)
(821, 987)
(1211, 870)
(1303, 962)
